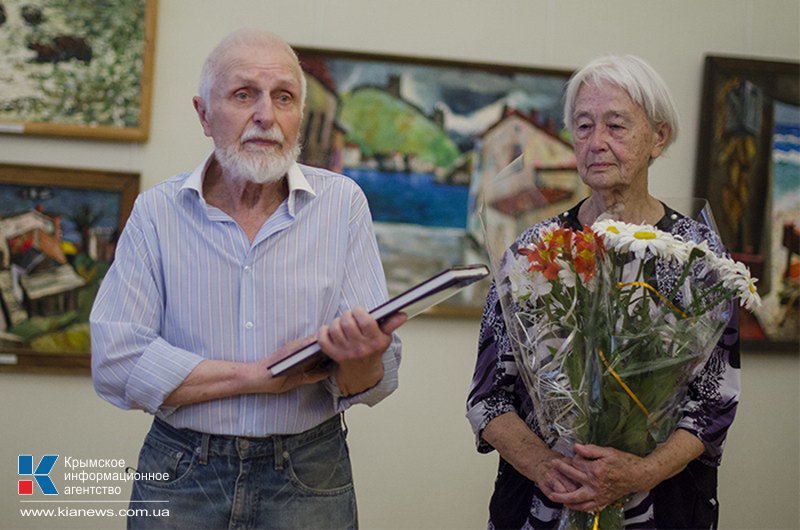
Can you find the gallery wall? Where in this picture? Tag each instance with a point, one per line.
(413, 455)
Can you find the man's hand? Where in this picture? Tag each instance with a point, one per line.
(356, 342)
(284, 383)
(212, 379)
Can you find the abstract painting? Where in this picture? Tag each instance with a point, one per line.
(748, 168)
(77, 67)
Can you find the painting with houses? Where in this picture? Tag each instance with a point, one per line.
(55, 246)
(423, 138)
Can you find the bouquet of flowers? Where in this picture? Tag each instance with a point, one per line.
(603, 346)
(608, 324)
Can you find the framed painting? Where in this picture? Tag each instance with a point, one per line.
(58, 231)
(77, 68)
(421, 137)
(748, 167)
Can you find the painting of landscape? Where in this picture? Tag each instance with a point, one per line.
(421, 138)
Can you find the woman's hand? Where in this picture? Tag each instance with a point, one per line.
(605, 475)
(529, 455)
(546, 473)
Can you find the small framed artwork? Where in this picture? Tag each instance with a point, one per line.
(748, 167)
(422, 137)
(58, 232)
(79, 69)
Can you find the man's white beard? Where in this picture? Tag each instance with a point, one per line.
(260, 165)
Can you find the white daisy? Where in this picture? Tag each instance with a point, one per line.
(703, 248)
(676, 248)
(613, 233)
(646, 238)
(730, 271)
(749, 294)
(736, 277)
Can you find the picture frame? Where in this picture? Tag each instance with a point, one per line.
(748, 167)
(72, 69)
(422, 136)
(58, 231)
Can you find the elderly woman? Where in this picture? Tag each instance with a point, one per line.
(622, 118)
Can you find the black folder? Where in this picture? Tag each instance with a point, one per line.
(412, 302)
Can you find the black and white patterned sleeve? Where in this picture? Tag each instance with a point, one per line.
(491, 392)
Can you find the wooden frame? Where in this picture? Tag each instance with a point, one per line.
(747, 166)
(419, 135)
(61, 57)
(58, 230)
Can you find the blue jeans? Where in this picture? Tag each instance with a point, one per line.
(288, 481)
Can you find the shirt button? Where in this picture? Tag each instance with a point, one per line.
(248, 325)
(248, 268)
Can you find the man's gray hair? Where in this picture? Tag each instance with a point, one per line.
(243, 37)
(633, 75)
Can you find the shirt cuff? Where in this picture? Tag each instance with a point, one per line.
(373, 395)
(479, 416)
(160, 370)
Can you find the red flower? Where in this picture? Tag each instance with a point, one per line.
(559, 240)
(588, 250)
(586, 264)
(587, 240)
(542, 259)
(543, 256)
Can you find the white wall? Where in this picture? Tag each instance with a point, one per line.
(413, 457)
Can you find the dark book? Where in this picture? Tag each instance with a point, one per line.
(412, 302)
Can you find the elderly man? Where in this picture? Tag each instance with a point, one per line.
(218, 273)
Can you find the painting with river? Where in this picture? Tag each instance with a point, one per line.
(420, 136)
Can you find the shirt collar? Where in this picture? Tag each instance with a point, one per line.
(296, 180)
(195, 179)
(297, 183)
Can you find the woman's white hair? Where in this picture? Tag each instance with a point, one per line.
(632, 74)
(243, 37)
